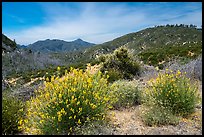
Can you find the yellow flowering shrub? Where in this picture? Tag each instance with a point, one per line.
(174, 92)
(65, 103)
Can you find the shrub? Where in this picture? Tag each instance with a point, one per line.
(114, 75)
(121, 61)
(12, 112)
(159, 116)
(174, 92)
(126, 94)
(67, 102)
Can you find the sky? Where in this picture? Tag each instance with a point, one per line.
(96, 22)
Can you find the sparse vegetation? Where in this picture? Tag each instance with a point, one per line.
(157, 116)
(159, 56)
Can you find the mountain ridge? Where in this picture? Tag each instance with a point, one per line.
(57, 45)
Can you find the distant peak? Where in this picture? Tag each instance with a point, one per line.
(78, 39)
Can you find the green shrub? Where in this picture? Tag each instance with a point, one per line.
(174, 92)
(114, 75)
(159, 116)
(66, 103)
(102, 58)
(126, 94)
(12, 112)
(121, 61)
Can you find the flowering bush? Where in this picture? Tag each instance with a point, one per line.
(174, 92)
(67, 102)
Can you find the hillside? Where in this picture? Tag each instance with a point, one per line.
(56, 45)
(152, 38)
(7, 44)
(150, 41)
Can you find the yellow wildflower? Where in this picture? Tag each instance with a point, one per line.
(178, 72)
(26, 121)
(63, 111)
(47, 79)
(20, 122)
(59, 117)
(60, 96)
(79, 122)
(93, 106)
(41, 121)
(71, 109)
(72, 97)
(84, 92)
(80, 109)
(89, 80)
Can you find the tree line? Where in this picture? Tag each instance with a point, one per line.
(178, 25)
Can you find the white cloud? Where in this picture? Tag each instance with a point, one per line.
(97, 23)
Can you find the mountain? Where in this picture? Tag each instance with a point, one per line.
(81, 42)
(21, 46)
(7, 44)
(56, 45)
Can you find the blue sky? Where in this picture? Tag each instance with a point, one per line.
(97, 22)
